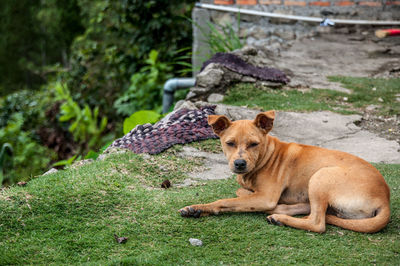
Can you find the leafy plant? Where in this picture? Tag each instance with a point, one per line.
(145, 91)
(118, 37)
(30, 104)
(140, 118)
(84, 122)
(29, 157)
(66, 162)
(5, 155)
(221, 38)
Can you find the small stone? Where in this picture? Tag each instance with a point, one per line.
(195, 242)
(146, 156)
(380, 100)
(248, 79)
(51, 171)
(215, 98)
(374, 89)
(249, 50)
(21, 184)
(345, 99)
(101, 157)
(371, 108)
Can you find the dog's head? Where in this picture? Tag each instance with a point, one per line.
(243, 141)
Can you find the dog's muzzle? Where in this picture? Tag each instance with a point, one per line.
(240, 166)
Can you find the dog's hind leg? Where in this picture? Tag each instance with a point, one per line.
(294, 209)
(318, 191)
(315, 222)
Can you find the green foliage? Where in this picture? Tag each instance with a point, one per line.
(29, 157)
(66, 162)
(140, 118)
(84, 124)
(145, 91)
(6, 153)
(30, 104)
(119, 36)
(221, 38)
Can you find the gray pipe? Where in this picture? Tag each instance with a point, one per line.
(292, 17)
(171, 86)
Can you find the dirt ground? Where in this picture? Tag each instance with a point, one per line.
(344, 52)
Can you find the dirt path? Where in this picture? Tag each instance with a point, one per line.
(310, 61)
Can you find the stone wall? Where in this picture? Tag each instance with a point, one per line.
(274, 33)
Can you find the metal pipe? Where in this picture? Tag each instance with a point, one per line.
(292, 17)
(171, 86)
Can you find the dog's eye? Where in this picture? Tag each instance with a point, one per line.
(230, 144)
(253, 144)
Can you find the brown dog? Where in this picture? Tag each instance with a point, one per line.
(286, 179)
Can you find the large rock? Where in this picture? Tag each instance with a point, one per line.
(210, 76)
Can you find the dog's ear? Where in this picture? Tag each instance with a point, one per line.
(265, 121)
(219, 123)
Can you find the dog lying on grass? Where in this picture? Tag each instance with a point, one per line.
(286, 179)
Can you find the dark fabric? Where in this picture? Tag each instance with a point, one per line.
(180, 127)
(236, 64)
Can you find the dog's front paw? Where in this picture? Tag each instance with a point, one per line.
(273, 219)
(190, 211)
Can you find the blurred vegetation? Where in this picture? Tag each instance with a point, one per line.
(72, 70)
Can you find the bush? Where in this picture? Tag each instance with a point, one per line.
(119, 35)
(29, 158)
(84, 122)
(145, 91)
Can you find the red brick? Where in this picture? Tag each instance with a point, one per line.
(344, 3)
(369, 3)
(246, 2)
(224, 2)
(393, 3)
(319, 3)
(295, 3)
(270, 2)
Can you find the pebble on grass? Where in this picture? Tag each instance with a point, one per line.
(195, 242)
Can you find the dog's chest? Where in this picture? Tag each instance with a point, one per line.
(245, 182)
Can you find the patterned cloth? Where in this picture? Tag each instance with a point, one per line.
(236, 64)
(180, 127)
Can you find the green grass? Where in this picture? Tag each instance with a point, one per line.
(365, 91)
(70, 217)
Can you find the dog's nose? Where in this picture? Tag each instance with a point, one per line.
(240, 164)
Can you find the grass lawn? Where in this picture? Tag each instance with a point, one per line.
(70, 217)
(365, 91)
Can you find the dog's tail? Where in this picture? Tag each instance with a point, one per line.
(367, 225)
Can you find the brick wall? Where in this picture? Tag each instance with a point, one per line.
(304, 3)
